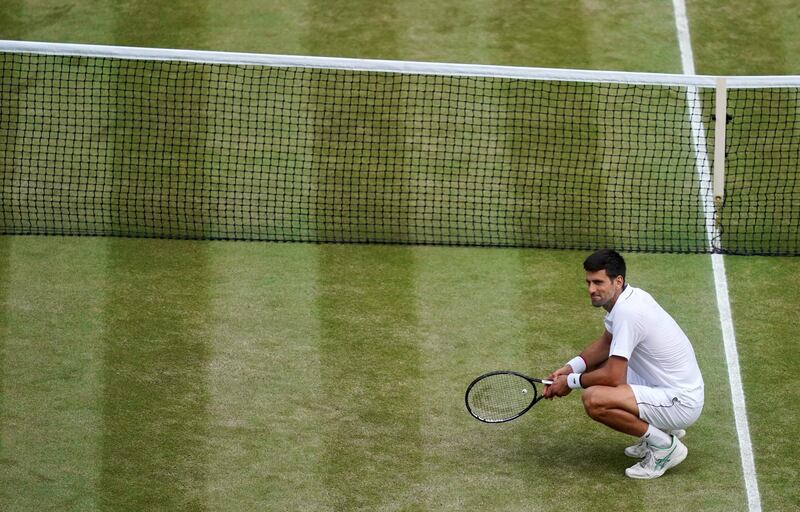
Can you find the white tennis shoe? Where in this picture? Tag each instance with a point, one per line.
(640, 449)
(658, 460)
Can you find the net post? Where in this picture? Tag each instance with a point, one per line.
(719, 139)
(718, 176)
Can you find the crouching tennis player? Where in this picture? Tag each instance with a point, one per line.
(641, 376)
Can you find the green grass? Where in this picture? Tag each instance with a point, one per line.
(51, 325)
(479, 31)
(320, 377)
(764, 298)
(154, 359)
(745, 38)
(140, 374)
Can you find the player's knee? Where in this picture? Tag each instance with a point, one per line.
(592, 403)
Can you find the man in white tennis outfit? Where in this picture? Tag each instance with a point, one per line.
(640, 377)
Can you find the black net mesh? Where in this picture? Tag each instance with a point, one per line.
(102, 146)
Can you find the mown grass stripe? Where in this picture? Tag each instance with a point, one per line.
(266, 402)
(155, 361)
(155, 376)
(51, 334)
(370, 372)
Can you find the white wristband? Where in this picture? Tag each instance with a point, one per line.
(578, 364)
(574, 381)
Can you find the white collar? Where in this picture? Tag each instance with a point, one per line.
(625, 295)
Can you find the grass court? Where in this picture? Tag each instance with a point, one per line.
(141, 374)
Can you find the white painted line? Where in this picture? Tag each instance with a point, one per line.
(735, 379)
(718, 265)
(695, 112)
(684, 39)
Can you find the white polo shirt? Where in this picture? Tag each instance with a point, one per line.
(654, 345)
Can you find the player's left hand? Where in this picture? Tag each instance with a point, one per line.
(559, 387)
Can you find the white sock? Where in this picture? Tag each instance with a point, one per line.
(657, 438)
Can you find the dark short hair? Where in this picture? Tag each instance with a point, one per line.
(608, 260)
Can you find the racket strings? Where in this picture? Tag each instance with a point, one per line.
(500, 397)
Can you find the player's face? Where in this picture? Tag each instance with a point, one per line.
(603, 291)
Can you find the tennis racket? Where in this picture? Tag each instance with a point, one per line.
(497, 397)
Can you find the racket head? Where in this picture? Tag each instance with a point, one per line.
(497, 397)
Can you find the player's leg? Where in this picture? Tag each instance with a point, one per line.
(614, 407)
(662, 409)
(640, 449)
(618, 408)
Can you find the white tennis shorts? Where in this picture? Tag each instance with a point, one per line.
(663, 407)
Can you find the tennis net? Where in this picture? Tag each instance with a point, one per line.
(132, 142)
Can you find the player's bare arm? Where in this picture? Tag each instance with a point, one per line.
(612, 373)
(594, 355)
